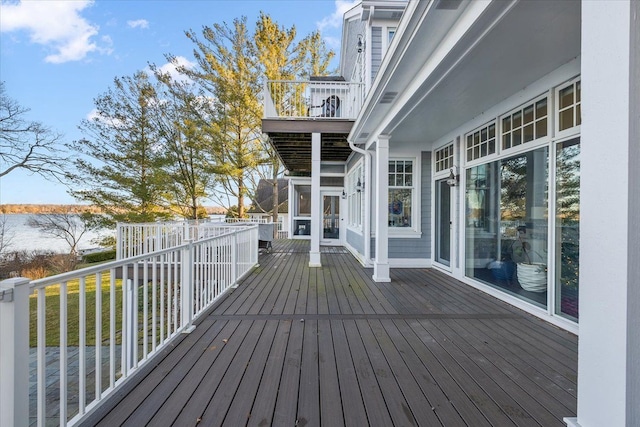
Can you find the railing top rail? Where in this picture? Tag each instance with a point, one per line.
(318, 82)
(58, 278)
(180, 222)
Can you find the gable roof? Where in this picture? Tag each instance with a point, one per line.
(263, 202)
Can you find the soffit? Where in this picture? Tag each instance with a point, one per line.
(509, 46)
(294, 150)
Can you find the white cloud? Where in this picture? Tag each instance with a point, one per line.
(138, 23)
(55, 24)
(335, 19)
(170, 68)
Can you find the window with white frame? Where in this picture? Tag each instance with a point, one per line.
(569, 106)
(354, 197)
(444, 158)
(391, 31)
(525, 124)
(401, 192)
(481, 142)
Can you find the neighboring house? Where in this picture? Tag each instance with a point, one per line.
(498, 142)
(262, 206)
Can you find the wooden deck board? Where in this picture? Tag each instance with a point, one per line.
(295, 345)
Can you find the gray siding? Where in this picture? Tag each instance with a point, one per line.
(350, 55)
(418, 248)
(376, 51)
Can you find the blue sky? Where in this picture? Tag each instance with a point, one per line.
(57, 56)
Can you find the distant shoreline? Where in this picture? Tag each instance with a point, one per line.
(16, 208)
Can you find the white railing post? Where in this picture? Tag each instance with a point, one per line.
(119, 241)
(128, 335)
(186, 287)
(14, 352)
(234, 259)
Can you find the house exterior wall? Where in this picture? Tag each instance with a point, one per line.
(417, 248)
(376, 50)
(349, 56)
(545, 85)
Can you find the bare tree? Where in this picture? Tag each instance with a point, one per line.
(28, 145)
(67, 226)
(6, 234)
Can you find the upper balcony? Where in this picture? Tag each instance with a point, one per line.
(294, 110)
(320, 98)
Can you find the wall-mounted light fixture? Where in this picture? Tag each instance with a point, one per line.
(360, 43)
(344, 195)
(359, 185)
(452, 180)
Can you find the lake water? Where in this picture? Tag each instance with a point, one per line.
(28, 238)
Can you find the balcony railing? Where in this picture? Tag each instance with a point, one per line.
(312, 99)
(89, 330)
(142, 238)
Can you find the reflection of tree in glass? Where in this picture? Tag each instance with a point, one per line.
(568, 215)
(568, 182)
(513, 189)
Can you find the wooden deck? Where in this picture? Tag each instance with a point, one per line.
(298, 346)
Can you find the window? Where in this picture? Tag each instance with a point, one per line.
(569, 106)
(567, 228)
(482, 142)
(444, 158)
(525, 124)
(354, 197)
(506, 224)
(302, 210)
(401, 186)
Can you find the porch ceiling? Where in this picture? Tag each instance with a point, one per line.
(294, 150)
(509, 46)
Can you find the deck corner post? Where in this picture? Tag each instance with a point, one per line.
(186, 287)
(14, 352)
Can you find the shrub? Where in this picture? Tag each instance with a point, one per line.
(100, 256)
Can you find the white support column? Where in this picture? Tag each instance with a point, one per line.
(186, 285)
(316, 219)
(14, 352)
(609, 343)
(381, 262)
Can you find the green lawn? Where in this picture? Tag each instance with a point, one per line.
(52, 323)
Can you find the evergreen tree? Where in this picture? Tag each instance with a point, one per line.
(182, 125)
(120, 164)
(228, 74)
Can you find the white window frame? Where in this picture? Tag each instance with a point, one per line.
(414, 230)
(525, 146)
(574, 130)
(482, 159)
(450, 160)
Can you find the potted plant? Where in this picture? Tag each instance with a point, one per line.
(532, 276)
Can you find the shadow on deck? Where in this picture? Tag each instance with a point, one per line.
(296, 346)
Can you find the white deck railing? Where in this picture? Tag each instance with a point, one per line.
(142, 238)
(87, 343)
(312, 99)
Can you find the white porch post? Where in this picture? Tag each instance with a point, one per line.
(381, 262)
(314, 254)
(14, 352)
(609, 344)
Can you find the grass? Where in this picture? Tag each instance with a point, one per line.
(52, 319)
